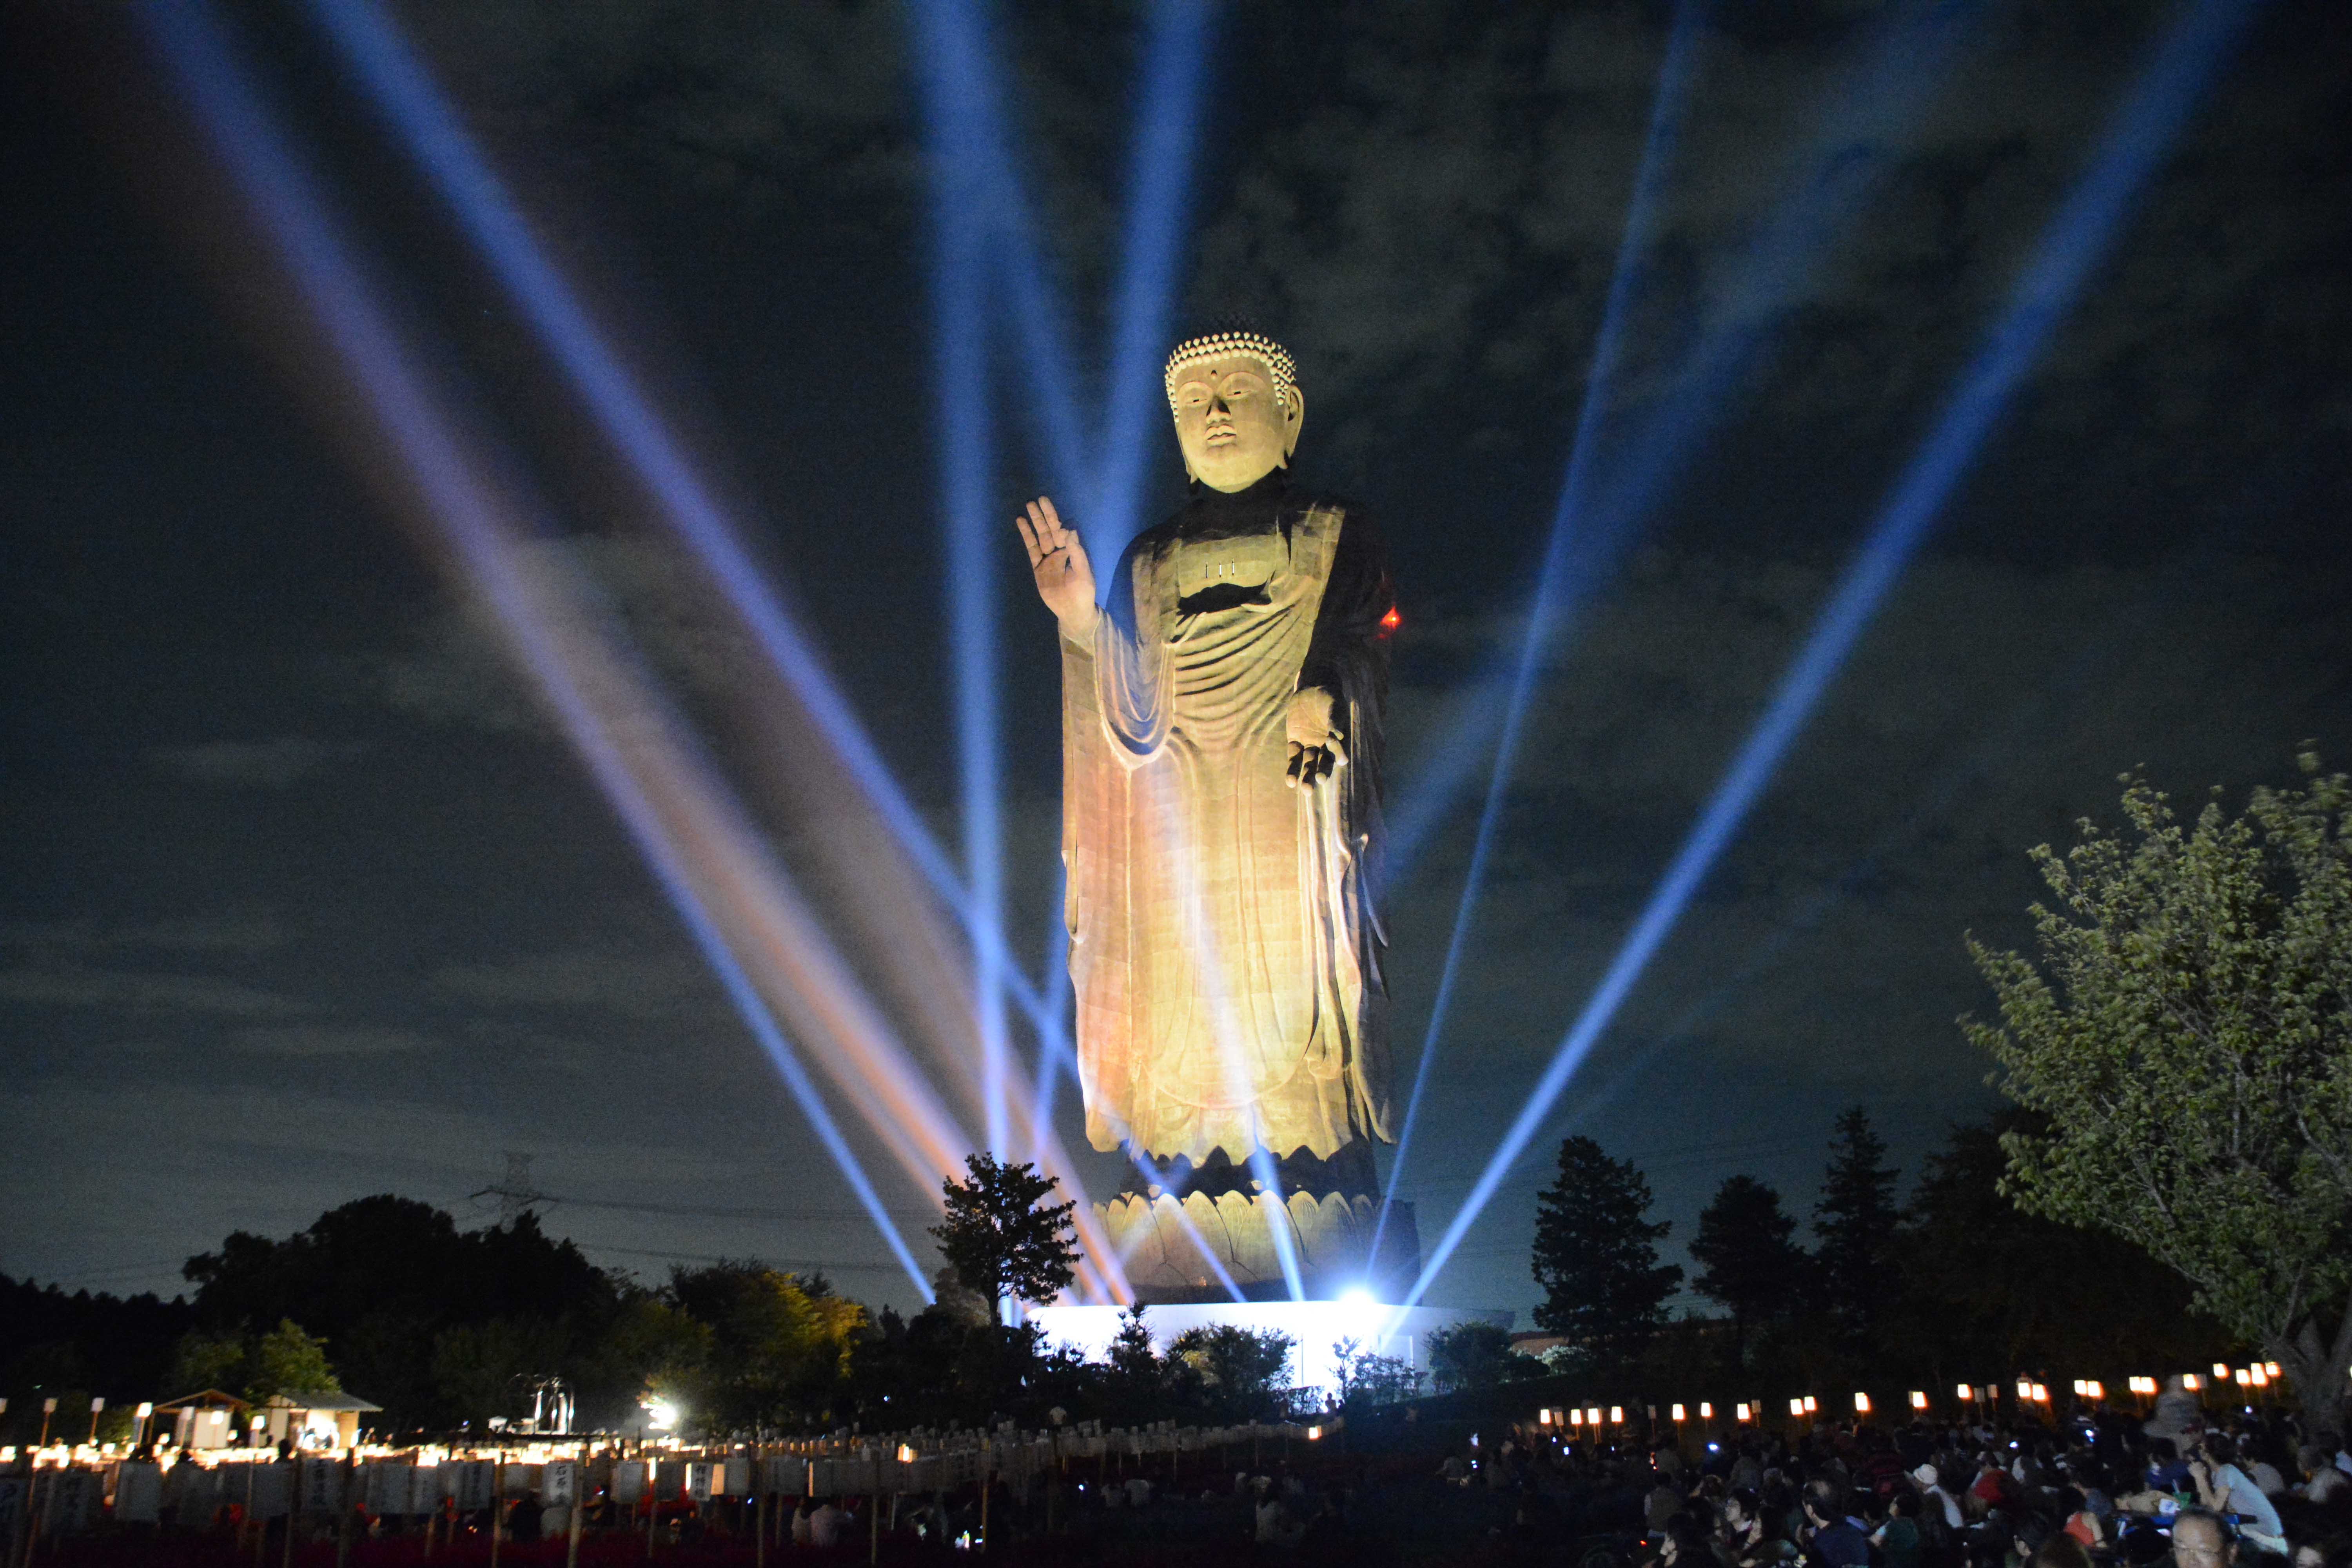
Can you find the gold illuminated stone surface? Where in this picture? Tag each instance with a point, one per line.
(1221, 743)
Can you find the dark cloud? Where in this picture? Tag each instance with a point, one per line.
(277, 764)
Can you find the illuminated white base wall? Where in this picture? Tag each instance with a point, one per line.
(1317, 1327)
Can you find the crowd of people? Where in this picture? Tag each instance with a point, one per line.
(2098, 1488)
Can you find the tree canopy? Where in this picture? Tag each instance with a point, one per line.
(1748, 1262)
(2186, 1036)
(1001, 1237)
(1596, 1255)
(1854, 1221)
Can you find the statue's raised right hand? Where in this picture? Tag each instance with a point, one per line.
(1065, 578)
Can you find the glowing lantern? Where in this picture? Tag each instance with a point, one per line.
(1616, 1416)
(1796, 1407)
(2271, 1367)
(1861, 1402)
(2024, 1391)
(2221, 1372)
(1705, 1411)
(1964, 1392)
(2041, 1393)
(2190, 1383)
(2095, 1389)
(1592, 1415)
(1809, 1404)
(1678, 1411)
(1919, 1399)
(1741, 1411)
(1576, 1417)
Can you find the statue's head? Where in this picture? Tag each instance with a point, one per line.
(1238, 407)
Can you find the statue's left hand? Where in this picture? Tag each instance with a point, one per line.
(1316, 748)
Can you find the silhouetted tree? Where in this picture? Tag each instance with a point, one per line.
(1972, 1274)
(1001, 1237)
(1855, 1224)
(1748, 1262)
(1472, 1355)
(1596, 1257)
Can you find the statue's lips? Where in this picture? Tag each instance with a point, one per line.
(1222, 437)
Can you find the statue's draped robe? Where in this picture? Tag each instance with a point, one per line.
(1223, 943)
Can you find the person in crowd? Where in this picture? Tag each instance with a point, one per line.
(2061, 1551)
(831, 1525)
(1680, 1544)
(2322, 1552)
(804, 1523)
(1898, 1539)
(2089, 1523)
(2199, 1540)
(2223, 1488)
(1929, 1479)
(2323, 1483)
(1834, 1540)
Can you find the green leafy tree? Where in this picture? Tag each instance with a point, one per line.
(1369, 1378)
(1471, 1355)
(1855, 1224)
(781, 1344)
(206, 1360)
(1242, 1371)
(2188, 1035)
(1596, 1257)
(1748, 1262)
(1001, 1237)
(286, 1360)
(1135, 1361)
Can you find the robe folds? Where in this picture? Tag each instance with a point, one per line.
(1224, 947)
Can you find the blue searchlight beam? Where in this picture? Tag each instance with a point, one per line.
(2194, 48)
(1665, 117)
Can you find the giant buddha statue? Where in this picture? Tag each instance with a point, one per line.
(1222, 712)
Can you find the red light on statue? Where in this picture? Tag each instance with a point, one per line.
(1391, 621)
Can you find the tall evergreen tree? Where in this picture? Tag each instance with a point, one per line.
(1596, 1255)
(1001, 1237)
(1748, 1262)
(1854, 1224)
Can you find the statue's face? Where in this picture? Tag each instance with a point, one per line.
(1231, 430)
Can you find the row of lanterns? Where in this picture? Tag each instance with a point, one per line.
(2258, 1376)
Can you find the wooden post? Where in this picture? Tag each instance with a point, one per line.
(759, 1510)
(579, 1505)
(293, 1504)
(498, 1504)
(350, 1509)
(874, 1530)
(34, 1510)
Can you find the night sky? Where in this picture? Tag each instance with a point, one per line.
(305, 901)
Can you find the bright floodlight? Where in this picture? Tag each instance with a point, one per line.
(661, 1416)
(1358, 1296)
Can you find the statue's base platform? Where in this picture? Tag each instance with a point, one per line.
(1190, 1250)
(1320, 1330)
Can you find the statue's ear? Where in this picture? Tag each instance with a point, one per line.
(1293, 419)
